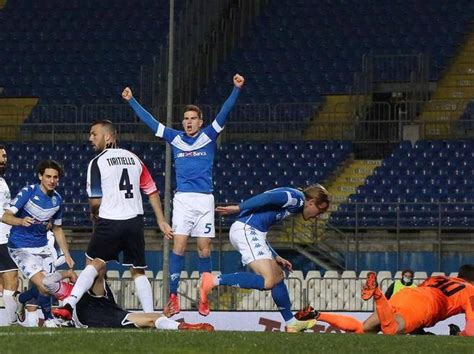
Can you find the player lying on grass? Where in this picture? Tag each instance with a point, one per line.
(97, 309)
(248, 235)
(411, 309)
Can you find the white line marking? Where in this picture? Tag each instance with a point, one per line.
(75, 331)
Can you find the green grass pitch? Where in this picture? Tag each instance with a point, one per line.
(70, 340)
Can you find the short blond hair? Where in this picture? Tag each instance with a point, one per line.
(318, 193)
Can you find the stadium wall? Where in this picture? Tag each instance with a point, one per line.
(229, 262)
(271, 321)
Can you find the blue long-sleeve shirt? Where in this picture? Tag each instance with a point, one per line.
(193, 156)
(264, 210)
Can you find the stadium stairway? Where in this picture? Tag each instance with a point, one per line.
(342, 185)
(336, 109)
(350, 178)
(454, 91)
(13, 112)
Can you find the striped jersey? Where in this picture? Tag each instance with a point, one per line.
(117, 176)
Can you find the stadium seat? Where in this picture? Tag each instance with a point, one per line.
(384, 274)
(313, 274)
(333, 274)
(420, 275)
(348, 274)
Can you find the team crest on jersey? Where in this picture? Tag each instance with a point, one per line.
(54, 200)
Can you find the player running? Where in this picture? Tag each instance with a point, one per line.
(248, 235)
(193, 203)
(35, 208)
(28, 300)
(436, 299)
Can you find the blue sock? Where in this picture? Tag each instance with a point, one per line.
(205, 265)
(282, 300)
(45, 303)
(28, 295)
(176, 266)
(243, 280)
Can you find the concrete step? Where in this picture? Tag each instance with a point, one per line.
(462, 69)
(453, 104)
(454, 92)
(457, 81)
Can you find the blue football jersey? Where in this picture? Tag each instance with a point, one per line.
(266, 209)
(32, 202)
(193, 158)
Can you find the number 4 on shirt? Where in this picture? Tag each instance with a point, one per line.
(125, 185)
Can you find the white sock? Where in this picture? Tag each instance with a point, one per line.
(10, 305)
(166, 323)
(83, 284)
(291, 321)
(51, 282)
(144, 293)
(217, 280)
(32, 318)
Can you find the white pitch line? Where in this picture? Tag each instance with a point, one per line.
(78, 330)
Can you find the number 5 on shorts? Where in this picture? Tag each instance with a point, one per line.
(208, 228)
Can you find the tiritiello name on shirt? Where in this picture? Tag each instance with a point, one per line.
(114, 161)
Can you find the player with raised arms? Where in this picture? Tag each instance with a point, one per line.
(193, 203)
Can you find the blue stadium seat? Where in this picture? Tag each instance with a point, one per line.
(424, 174)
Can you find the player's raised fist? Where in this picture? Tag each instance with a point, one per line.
(127, 94)
(238, 81)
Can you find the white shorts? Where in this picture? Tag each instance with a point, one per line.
(33, 260)
(193, 214)
(251, 243)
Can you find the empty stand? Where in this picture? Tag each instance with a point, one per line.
(414, 187)
(289, 56)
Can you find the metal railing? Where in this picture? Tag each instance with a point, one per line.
(199, 48)
(324, 294)
(377, 121)
(390, 131)
(393, 225)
